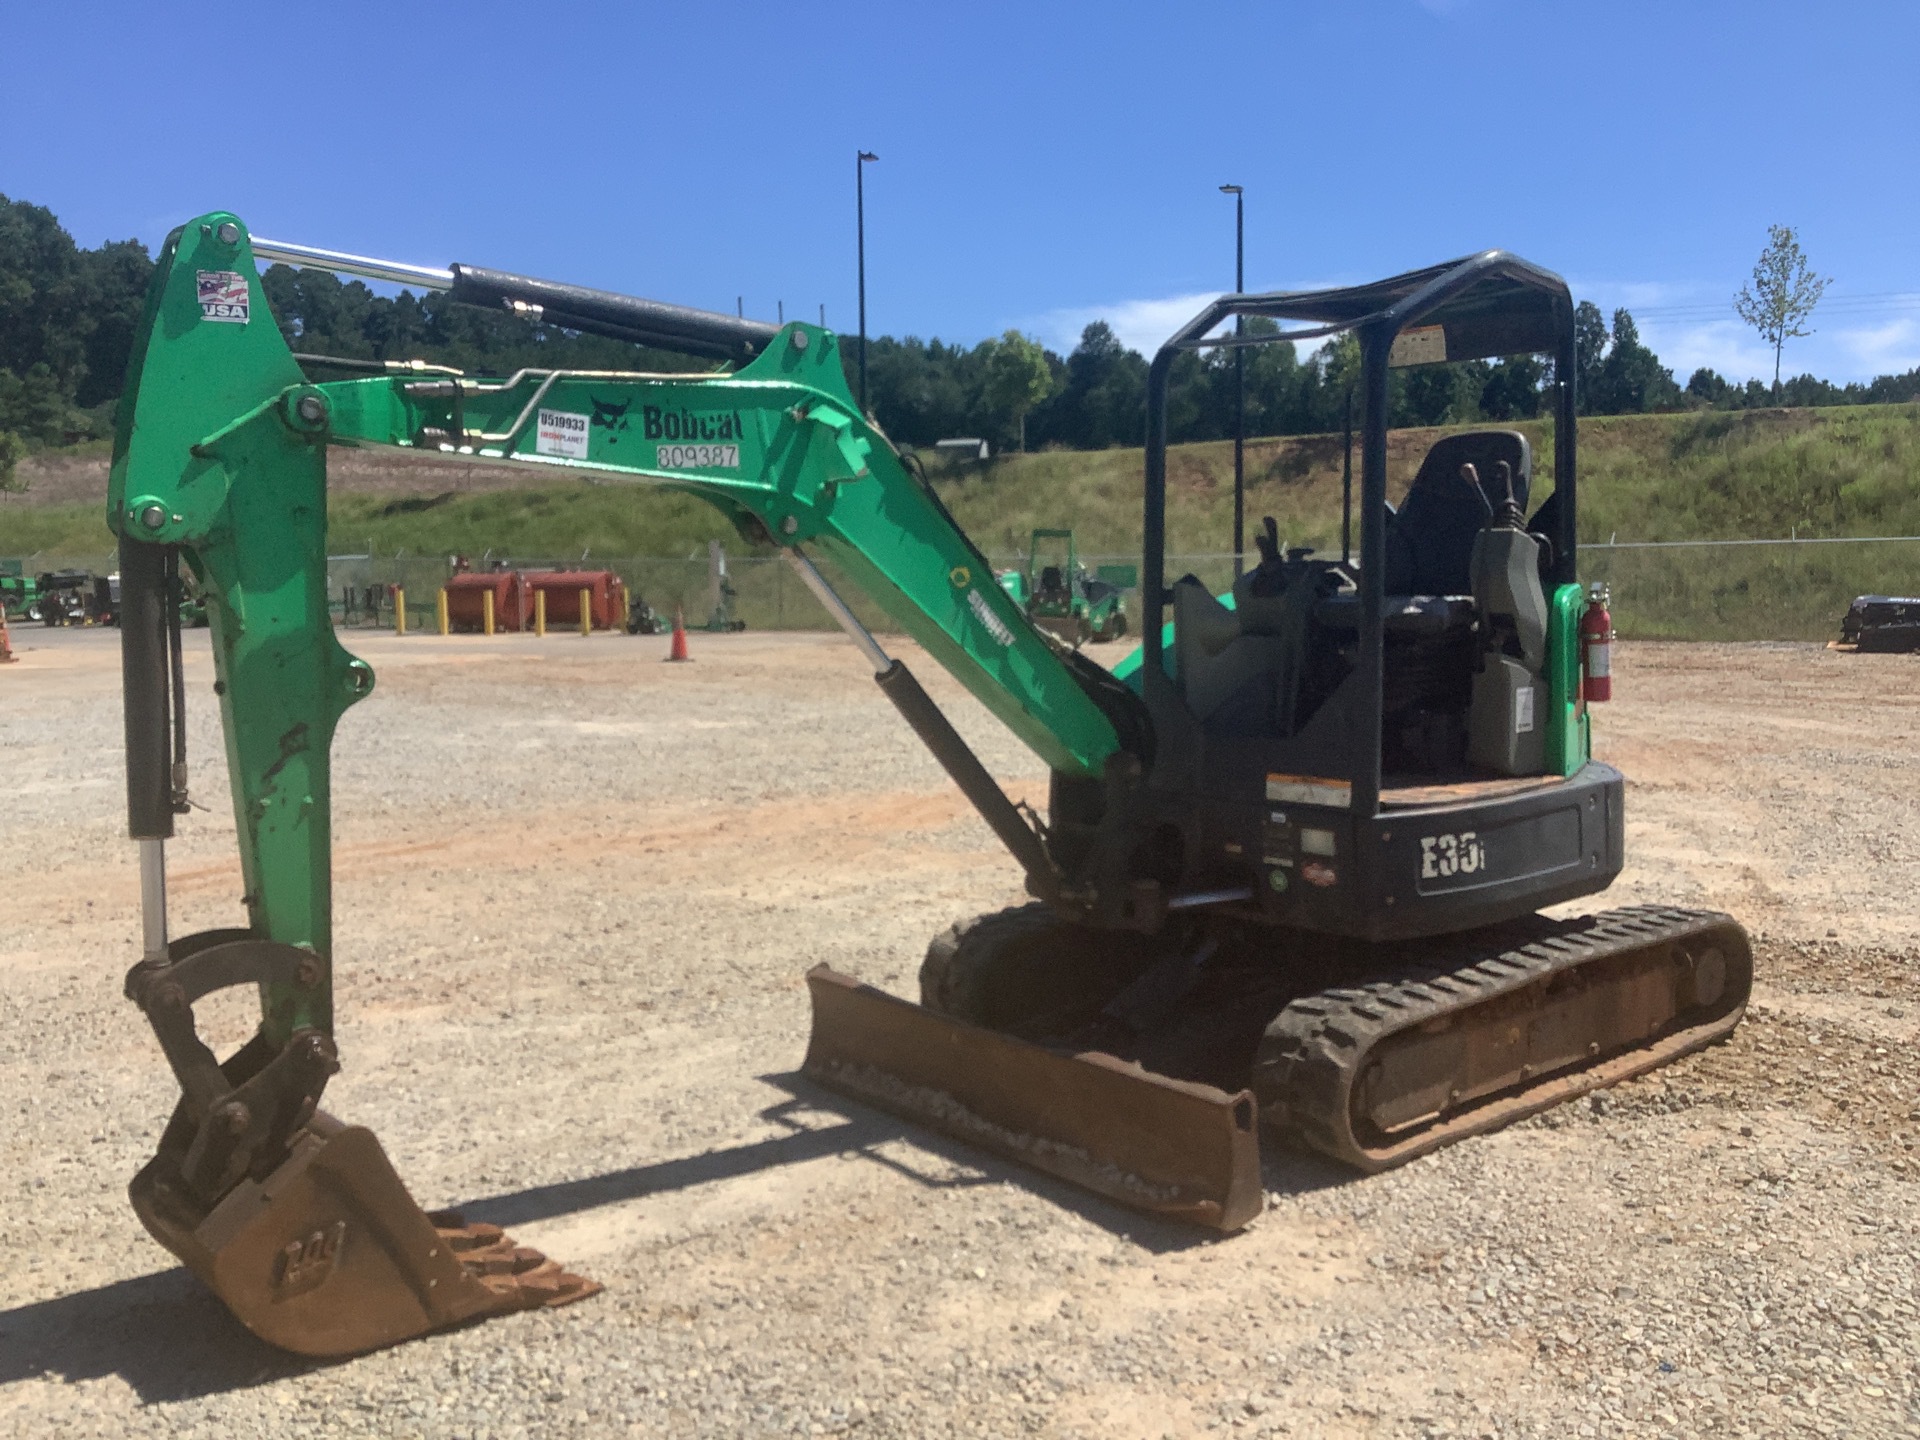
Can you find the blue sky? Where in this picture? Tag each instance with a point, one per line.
(1041, 165)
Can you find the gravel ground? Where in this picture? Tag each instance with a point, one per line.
(576, 892)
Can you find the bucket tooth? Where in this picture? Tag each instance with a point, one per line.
(329, 1256)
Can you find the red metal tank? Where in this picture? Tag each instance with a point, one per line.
(512, 601)
(563, 589)
(1596, 644)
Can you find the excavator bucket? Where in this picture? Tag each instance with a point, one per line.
(1168, 1147)
(328, 1255)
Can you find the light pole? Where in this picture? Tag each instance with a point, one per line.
(860, 225)
(1239, 382)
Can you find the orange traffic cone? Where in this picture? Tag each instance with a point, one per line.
(679, 649)
(7, 656)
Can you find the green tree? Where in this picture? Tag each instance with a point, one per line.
(42, 294)
(1631, 380)
(12, 447)
(1513, 388)
(115, 278)
(1589, 350)
(1017, 378)
(1101, 398)
(35, 407)
(1780, 298)
(1710, 389)
(1273, 381)
(1437, 394)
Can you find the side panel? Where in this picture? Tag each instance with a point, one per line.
(1568, 734)
(1443, 868)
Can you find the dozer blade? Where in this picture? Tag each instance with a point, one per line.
(329, 1256)
(1169, 1147)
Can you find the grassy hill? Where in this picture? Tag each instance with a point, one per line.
(1739, 475)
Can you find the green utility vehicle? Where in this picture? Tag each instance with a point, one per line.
(19, 592)
(1293, 858)
(1063, 598)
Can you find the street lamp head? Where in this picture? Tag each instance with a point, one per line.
(868, 155)
(1230, 190)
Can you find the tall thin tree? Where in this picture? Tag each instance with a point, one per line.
(1780, 298)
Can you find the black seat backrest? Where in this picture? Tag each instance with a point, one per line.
(1430, 538)
(1052, 581)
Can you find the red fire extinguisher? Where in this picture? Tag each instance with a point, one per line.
(1596, 646)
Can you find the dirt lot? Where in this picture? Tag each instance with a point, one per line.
(576, 890)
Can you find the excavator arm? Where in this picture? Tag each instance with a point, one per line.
(219, 471)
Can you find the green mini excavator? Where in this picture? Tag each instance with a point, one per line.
(1295, 852)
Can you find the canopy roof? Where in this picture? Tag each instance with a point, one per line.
(1473, 308)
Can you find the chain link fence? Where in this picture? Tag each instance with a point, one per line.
(1792, 588)
(1789, 589)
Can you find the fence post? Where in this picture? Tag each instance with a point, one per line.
(586, 612)
(540, 614)
(440, 606)
(399, 609)
(486, 611)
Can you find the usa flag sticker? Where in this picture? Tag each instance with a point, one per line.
(223, 296)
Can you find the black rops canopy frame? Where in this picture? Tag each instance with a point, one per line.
(1485, 305)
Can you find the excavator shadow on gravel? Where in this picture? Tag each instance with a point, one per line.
(1295, 849)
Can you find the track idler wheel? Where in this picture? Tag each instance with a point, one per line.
(298, 1222)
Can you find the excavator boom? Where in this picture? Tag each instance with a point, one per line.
(219, 472)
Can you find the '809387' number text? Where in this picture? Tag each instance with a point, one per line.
(699, 457)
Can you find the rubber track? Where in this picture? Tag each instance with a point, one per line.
(1316, 1049)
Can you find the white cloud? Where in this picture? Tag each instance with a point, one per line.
(1883, 349)
(1142, 325)
(1724, 346)
(1692, 324)
(1145, 325)
(1687, 324)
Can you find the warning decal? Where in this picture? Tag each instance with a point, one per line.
(1309, 790)
(1422, 345)
(223, 296)
(561, 433)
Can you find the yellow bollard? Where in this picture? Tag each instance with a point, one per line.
(486, 612)
(441, 607)
(540, 613)
(619, 603)
(399, 610)
(586, 612)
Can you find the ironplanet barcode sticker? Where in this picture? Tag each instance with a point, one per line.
(561, 433)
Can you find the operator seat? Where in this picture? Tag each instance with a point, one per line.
(1430, 538)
